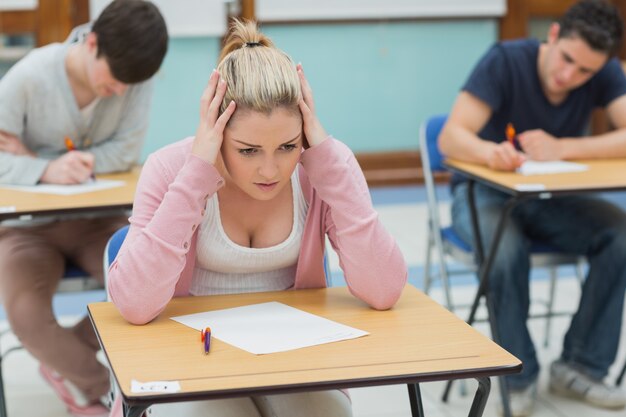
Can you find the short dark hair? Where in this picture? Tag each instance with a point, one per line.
(132, 37)
(597, 22)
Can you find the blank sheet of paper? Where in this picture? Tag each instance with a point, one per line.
(550, 167)
(269, 327)
(87, 187)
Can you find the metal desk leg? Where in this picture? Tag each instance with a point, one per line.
(134, 410)
(483, 287)
(415, 397)
(481, 397)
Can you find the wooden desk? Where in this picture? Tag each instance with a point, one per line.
(602, 175)
(25, 203)
(416, 341)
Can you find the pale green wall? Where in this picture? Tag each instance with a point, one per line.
(373, 82)
(178, 87)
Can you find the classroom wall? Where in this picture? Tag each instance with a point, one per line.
(373, 82)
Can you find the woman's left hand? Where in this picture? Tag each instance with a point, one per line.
(313, 129)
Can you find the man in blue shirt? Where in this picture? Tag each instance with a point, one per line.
(548, 91)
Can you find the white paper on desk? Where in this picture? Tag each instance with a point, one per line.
(269, 327)
(87, 187)
(550, 167)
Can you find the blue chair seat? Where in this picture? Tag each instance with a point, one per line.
(114, 244)
(448, 234)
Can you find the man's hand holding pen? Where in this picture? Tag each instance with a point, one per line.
(73, 167)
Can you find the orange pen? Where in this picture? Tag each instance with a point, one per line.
(69, 144)
(510, 134)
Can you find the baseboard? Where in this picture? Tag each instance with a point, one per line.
(394, 168)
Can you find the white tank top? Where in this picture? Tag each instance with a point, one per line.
(224, 267)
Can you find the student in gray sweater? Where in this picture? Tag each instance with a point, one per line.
(93, 89)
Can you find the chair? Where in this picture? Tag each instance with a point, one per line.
(447, 243)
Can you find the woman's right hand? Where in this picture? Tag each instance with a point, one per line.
(210, 132)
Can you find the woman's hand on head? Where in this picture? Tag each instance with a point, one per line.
(313, 129)
(210, 132)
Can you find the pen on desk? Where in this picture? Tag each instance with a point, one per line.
(205, 337)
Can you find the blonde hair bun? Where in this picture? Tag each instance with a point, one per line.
(259, 76)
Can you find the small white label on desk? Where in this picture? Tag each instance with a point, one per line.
(7, 209)
(530, 187)
(137, 387)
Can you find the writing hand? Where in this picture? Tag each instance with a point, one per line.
(504, 157)
(13, 145)
(313, 130)
(540, 146)
(73, 167)
(210, 132)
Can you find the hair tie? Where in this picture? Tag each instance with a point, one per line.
(251, 44)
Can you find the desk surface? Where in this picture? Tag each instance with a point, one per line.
(602, 175)
(26, 203)
(417, 340)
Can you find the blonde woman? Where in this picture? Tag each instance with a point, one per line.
(245, 206)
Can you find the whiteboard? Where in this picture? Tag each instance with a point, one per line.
(294, 10)
(184, 18)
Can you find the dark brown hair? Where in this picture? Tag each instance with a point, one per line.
(132, 37)
(597, 22)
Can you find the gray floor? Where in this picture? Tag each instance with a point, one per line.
(28, 395)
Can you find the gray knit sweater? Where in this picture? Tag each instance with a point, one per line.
(38, 106)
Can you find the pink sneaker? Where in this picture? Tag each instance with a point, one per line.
(74, 406)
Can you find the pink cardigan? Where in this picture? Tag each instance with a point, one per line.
(156, 261)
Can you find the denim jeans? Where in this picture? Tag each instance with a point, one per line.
(584, 225)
